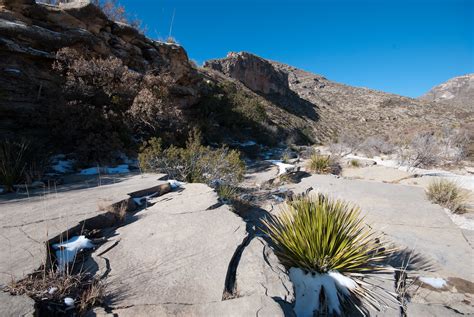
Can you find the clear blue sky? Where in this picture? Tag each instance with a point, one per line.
(398, 46)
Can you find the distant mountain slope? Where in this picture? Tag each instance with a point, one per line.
(330, 108)
(458, 90)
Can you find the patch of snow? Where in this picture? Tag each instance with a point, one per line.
(139, 200)
(435, 282)
(247, 143)
(175, 184)
(52, 290)
(62, 166)
(2, 190)
(66, 251)
(13, 70)
(278, 198)
(459, 220)
(120, 169)
(282, 167)
(308, 288)
(465, 181)
(69, 301)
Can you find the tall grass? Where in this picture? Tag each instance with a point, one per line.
(15, 158)
(447, 194)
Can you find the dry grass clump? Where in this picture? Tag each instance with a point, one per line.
(447, 194)
(354, 163)
(227, 193)
(322, 164)
(49, 289)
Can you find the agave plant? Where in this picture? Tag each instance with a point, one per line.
(328, 249)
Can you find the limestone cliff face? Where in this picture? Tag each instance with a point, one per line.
(30, 36)
(254, 72)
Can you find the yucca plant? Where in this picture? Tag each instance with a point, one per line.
(226, 192)
(328, 249)
(322, 164)
(447, 194)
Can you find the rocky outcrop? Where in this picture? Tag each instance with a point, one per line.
(456, 90)
(31, 34)
(254, 72)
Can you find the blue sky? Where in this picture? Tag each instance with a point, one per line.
(401, 46)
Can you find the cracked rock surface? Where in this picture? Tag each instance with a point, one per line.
(174, 259)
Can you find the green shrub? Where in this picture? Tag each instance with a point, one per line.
(195, 163)
(322, 164)
(354, 163)
(447, 194)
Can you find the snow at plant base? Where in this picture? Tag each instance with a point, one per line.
(459, 220)
(61, 165)
(139, 200)
(435, 282)
(106, 170)
(308, 288)
(282, 167)
(66, 251)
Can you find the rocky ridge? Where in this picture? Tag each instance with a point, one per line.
(458, 90)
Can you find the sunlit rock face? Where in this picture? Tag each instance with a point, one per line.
(458, 89)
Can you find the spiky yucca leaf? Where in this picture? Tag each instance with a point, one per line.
(321, 235)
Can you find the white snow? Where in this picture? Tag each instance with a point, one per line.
(13, 70)
(247, 143)
(52, 290)
(282, 167)
(435, 282)
(308, 288)
(139, 200)
(459, 220)
(1, 190)
(66, 251)
(69, 301)
(175, 184)
(465, 181)
(106, 170)
(63, 166)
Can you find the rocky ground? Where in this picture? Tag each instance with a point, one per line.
(185, 253)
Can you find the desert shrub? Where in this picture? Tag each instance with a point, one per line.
(454, 144)
(376, 145)
(323, 164)
(347, 143)
(327, 237)
(421, 151)
(195, 163)
(106, 105)
(354, 163)
(447, 194)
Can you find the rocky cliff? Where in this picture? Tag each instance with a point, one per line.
(30, 36)
(459, 90)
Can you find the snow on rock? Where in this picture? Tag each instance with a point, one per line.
(175, 184)
(2, 190)
(459, 220)
(69, 301)
(66, 251)
(120, 169)
(308, 288)
(282, 167)
(247, 143)
(62, 166)
(140, 200)
(435, 282)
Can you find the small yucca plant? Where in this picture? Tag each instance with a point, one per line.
(321, 164)
(226, 192)
(326, 240)
(447, 194)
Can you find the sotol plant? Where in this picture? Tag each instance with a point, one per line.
(328, 250)
(322, 164)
